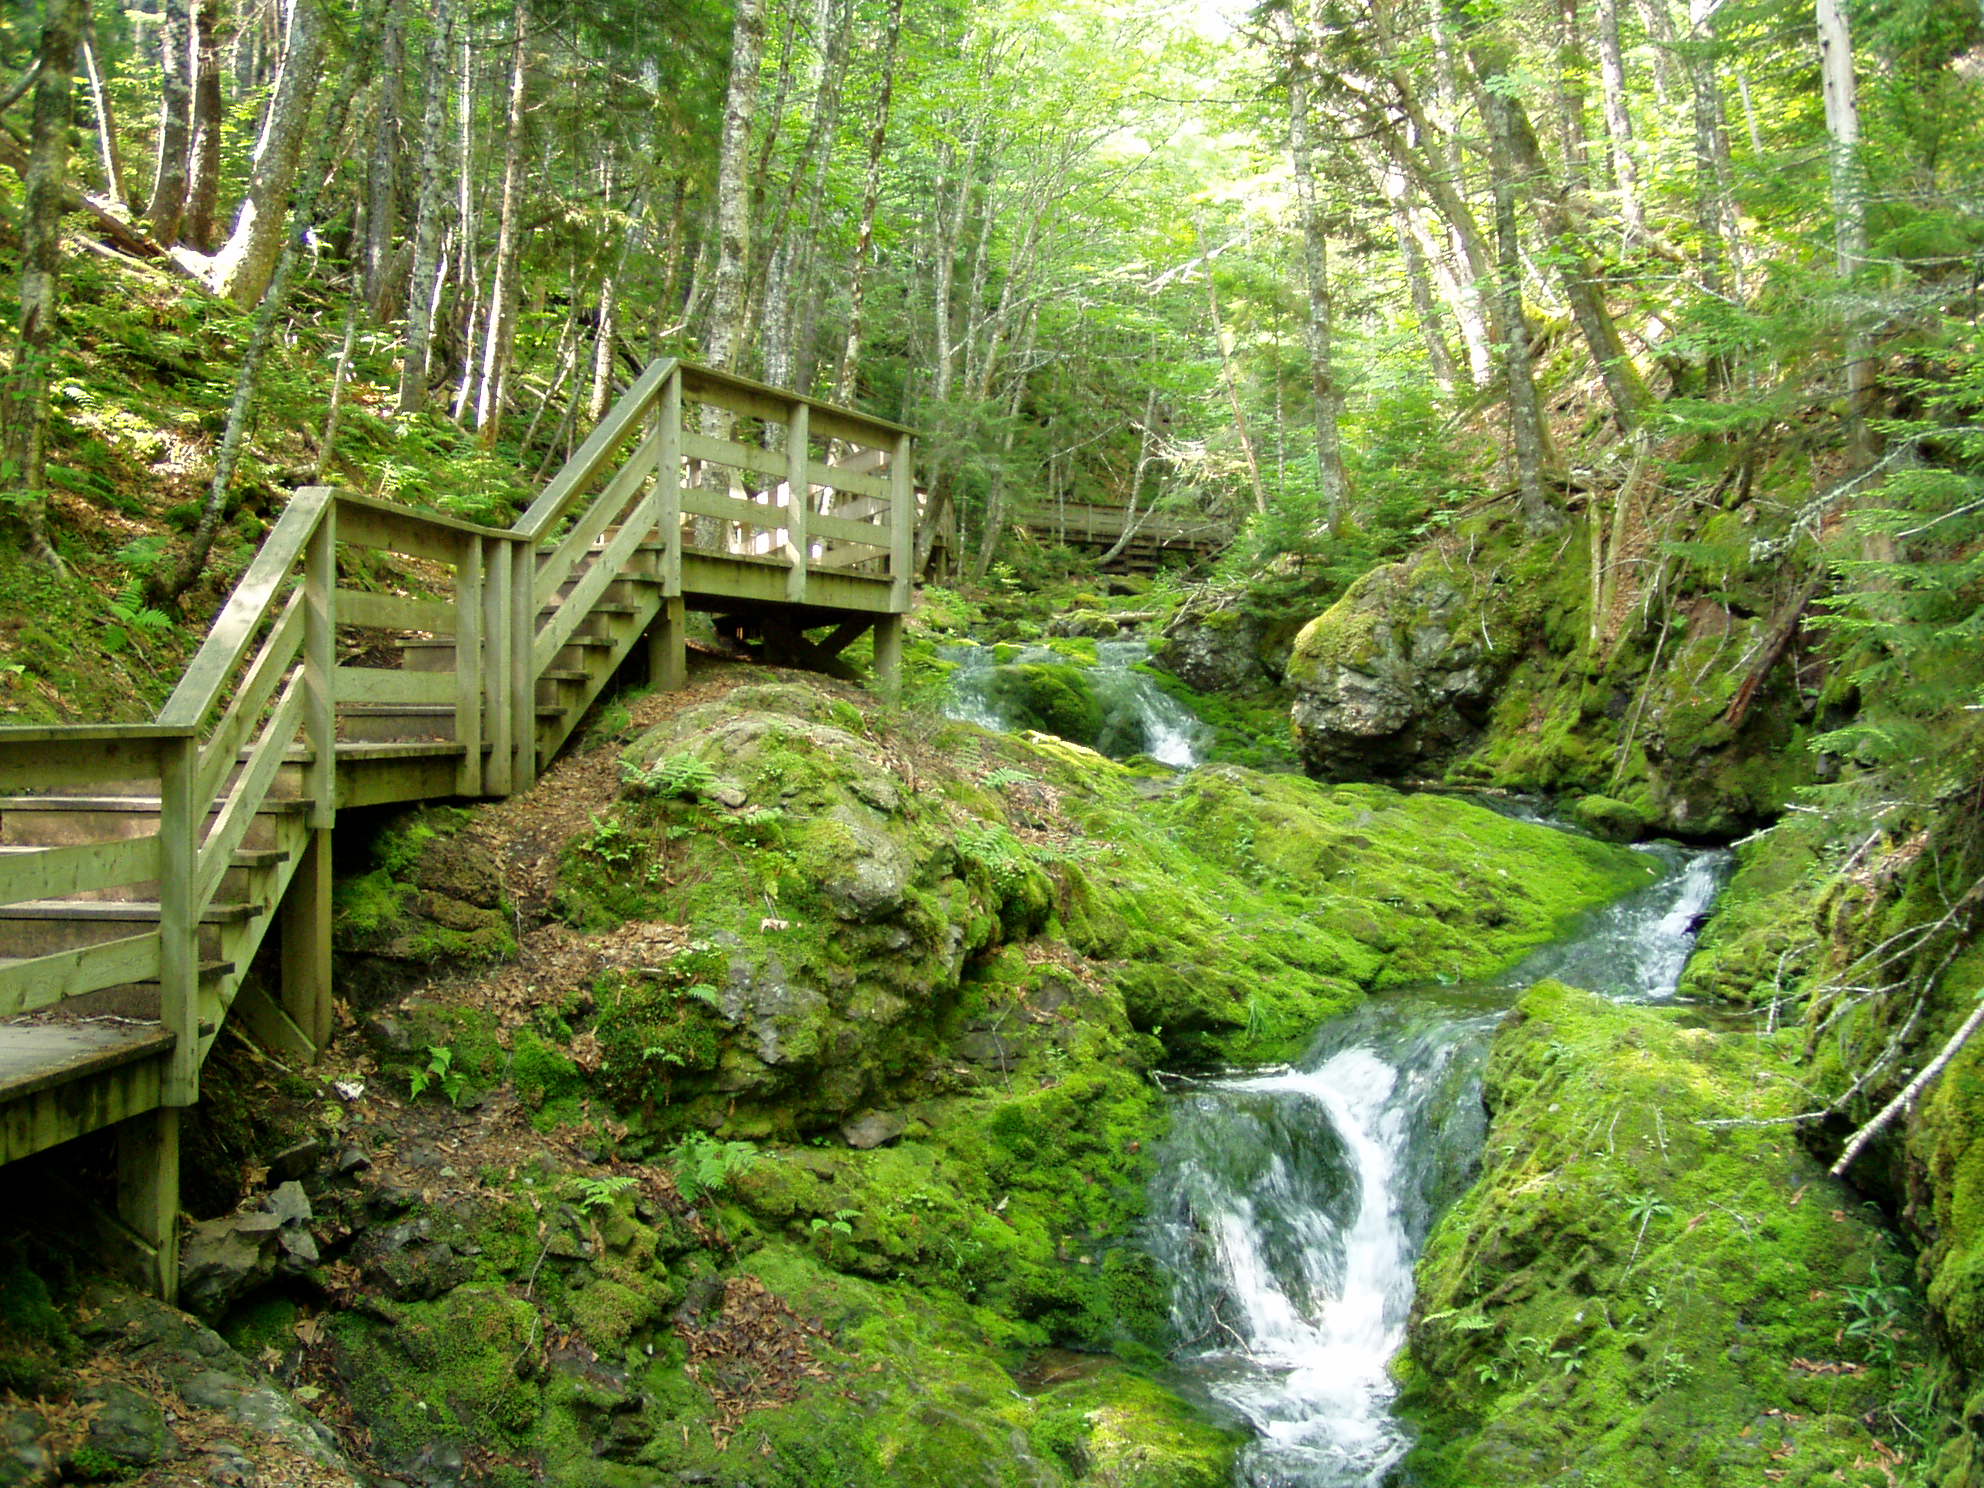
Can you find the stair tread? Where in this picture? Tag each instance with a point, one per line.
(148, 804)
(35, 1056)
(205, 969)
(118, 910)
(244, 857)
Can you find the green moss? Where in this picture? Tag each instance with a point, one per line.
(1050, 696)
(1616, 821)
(1628, 1296)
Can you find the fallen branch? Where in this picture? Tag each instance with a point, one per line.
(14, 155)
(1909, 1092)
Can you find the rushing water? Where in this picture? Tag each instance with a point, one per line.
(1291, 1204)
(1138, 716)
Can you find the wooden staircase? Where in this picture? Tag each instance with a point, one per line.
(143, 866)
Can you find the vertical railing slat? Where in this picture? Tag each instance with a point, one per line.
(798, 498)
(320, 629)
(180, 819)
(497, 574)
(902, 521)
(468, 666)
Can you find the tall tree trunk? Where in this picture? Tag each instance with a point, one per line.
(106, 120)
(1569, 94)
(785, 290)
(1715, 207)
(203, 153)
(1324, 393)
(502, 319)
(175, 123)
(725, 326)
(864, 238)
(1418, 279)
(1526, 430)
(1659, 23)
(424, 281)
(246, 262)
(1849, 203)
(382, 207)
(1618, 117)
(24, 393)
(1223, 341)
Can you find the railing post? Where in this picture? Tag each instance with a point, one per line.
(468, 666)
(320, 720)
(180, 818)
(668, 485)
(498, 575)
(798, 498)
(523, 677)
(902, 521)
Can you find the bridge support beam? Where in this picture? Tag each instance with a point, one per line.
(668, 651)
(306, 946)
(148, 1197)
(888, 656)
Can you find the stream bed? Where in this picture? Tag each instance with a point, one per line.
(1290, 1205)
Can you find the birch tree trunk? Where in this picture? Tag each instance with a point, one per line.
(175, 123)
(24, 393)
(382, 208)
(246, 262)
(864, 238)
(725, 326)
(423, 294)
(1526, 430)
(502, 317)
(1849, 204)
(1618, 117)
(106, 119)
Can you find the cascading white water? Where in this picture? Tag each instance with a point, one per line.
(1291, 1205)
(1139, 717)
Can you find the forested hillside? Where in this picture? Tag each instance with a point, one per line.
(1576, 405)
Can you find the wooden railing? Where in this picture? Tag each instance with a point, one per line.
(265, 689)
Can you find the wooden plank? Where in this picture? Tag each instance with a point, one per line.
(468, 667)
(390, 685)
(181, 814)
(605, 569)
(843, 529)
(701, 503)
(604, 511)
(398, 529)
(306, 943)
(70, 872)
(216, 853)
(522, 677)
(244, 712)
(127, 1080)
(799, 496)
(852, 483)
(32, 763)
(902, 522)
(668, 488)
(320, 665)
(234, 631)
(394, 612)
(596, 452)
(707, 578)
(761, 400)
(42, 981)
(729, 452)
(352, 503)
(496, 694)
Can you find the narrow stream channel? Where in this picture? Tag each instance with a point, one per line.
(1138, 717)
(1290, 1205)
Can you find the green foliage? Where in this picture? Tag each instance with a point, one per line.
(706, 1167)
(679, 777)
(440, 1072)
(599, 1193)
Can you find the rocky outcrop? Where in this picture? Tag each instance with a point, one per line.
(1398, 673)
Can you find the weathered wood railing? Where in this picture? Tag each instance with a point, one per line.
(269, 726)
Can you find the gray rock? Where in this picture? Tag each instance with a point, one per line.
(985, 1048)
(296, 1162)
(289, 1203)
(127, 1427)
(220, 1260)
(874, 1129)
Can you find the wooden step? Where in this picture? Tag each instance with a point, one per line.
(46, 1053)
(59, 821)
(439, 656)
(388, 723)
(42, 927)
(236, 883)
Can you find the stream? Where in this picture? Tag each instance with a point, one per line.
(1138, 717)
(1290, 1205)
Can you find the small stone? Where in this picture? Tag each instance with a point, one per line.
(729, 795)
(25, 1461)
(299, 1244)
(352, 1160)
(289, 1203)
(129, 1428)
(873, 1129)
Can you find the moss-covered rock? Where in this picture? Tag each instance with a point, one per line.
(434, 896)
(1631, 1295)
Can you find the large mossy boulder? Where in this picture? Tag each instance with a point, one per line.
(1051, 696)
(1650, 1282)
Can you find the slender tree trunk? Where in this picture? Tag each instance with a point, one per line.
(175, 123)
(24, 393)
(1418, 279)
(1223, 340)
(1659, 23)
(468, 271)
(864, 238)
(246, 262)
(1618, 117)
(1569, 94)
(424, 281)
(1526, 429)
(1325, 395)
(203, 153)
(785, 290)
(106, 121)
(992, 528)
(382, 207)
(502, 319)
(1715, 207)
(340, 379)
(1849, 204)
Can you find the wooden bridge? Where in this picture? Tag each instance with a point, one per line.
(142, 866)
(1153, 535)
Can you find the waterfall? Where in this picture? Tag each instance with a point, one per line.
(1290, 1205)
(1138, 716)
